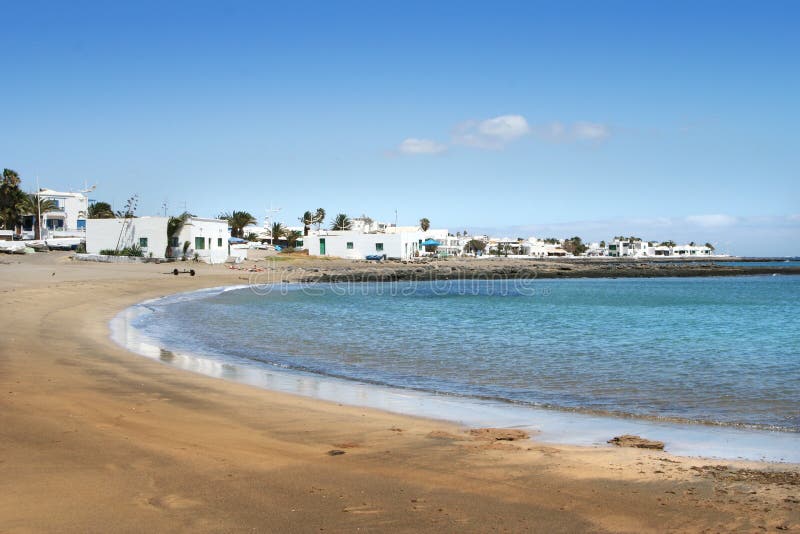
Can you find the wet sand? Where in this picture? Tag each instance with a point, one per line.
(93, 438)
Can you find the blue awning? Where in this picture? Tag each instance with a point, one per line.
(430, 243)
(236, 240)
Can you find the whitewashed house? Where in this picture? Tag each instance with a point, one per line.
(630, 248)
(69, 219)
(206, 238)
(641, 249)
(692, 250)
(596, 249)
(538, 248)
(358, 245)
(452, 245)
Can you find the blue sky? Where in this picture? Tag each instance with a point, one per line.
(660, 119)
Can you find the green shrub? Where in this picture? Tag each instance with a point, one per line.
(134, 250)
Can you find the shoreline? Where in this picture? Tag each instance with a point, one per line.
(91, 435)
(308, 269)
(553, 425)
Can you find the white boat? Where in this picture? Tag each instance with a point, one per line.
(13, 247)
(63, 243)
(37, 245)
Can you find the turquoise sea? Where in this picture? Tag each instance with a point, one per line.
(722, 351)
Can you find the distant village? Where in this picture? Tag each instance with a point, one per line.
(51, 219)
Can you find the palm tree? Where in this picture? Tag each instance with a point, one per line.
(341, 222)
(12, 200)
(174, 225)
(319, 216)
(100, 210)
(710, 246)
(237, 220)
(33, 204)
(277, 231)
(292, 237)
(424, 223)
(307, 219)
(10, 178)
(475, 245)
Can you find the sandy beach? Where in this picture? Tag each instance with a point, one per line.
(96, 439)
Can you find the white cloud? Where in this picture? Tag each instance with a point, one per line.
(413, 145)
(578, 131)
(492, 133)
(506, 127)
(710, 221)
(497, 132)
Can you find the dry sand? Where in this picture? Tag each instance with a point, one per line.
(95, 439)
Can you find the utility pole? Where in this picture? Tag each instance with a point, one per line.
(38, 211)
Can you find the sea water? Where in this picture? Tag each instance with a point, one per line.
(698, 351)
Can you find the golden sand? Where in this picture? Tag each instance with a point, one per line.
(95, 439)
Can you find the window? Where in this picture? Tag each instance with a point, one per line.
(199, 243)
(173, 241)
(349, 245)
(379, 247)
(142, 242)
(219, 241)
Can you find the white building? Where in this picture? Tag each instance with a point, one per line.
(68, 219)
(358, 245)
(205, 238)
(452, 245)
(630, 248)
(692, 250)
(538, 248)
(642, 249)
(595, 249)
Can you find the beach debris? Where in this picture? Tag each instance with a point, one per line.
(346, 445)
(336, 452)
(760, 476)
(630, 440)
(176, 272)
(499, 434)
(441, 434)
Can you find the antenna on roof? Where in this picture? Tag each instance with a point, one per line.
(268, 216)
(86, 188)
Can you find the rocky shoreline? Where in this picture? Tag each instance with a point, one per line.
(312, 270)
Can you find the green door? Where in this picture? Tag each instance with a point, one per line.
(322, 247)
